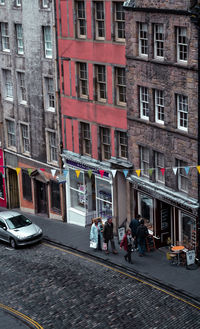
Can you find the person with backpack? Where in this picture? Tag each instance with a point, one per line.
(142, 233)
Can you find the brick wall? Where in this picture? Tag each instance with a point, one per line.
(164, 4)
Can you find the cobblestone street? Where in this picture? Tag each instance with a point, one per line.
(60, 290)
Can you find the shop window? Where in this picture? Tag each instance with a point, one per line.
(1, 186)
(55, 195)
(103, 198)
(78, 193)
(187, 231)
(26, 185)
(146, 210)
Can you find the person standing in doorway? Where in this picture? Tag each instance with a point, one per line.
(135, 222)
(108, 235)
(127, 244)
(142, 233)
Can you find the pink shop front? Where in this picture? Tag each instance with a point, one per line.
(2, 181)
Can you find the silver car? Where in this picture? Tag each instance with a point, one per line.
(18, 230)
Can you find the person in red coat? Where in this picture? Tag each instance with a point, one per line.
(127, 243)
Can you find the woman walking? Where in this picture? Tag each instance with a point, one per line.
(127, 243)
(96, 235)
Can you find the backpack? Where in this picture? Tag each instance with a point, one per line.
(143, 232)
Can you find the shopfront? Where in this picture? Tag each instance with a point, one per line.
(88, 195)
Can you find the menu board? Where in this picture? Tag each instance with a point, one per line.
(164, 219)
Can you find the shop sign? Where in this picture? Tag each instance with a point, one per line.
(85, 167)
(190, 257)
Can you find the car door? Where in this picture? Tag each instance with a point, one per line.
(3, 233)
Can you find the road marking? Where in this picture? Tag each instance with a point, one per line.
(21, 315)
(126, 274)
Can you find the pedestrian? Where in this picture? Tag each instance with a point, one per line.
(142, 233)
(135, 222)
(108, 235)
(127, 243)
(96, 235)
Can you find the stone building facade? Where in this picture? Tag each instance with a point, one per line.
(162, 101)
(29, 105)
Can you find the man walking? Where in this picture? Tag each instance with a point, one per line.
(134, 226)
(142, 233)
(108, 235)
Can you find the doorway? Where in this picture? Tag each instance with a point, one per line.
(13, 189)
(165, 223)
(41, 197)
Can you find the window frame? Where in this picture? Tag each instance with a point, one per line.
(86, 138)
(8, 84)
(99, 21)
(22, 87)
(82, 79)
(52, 149)
(144, 164)
(25, 139)
(26, 188)
(143, 40)
(179, 112)
(2, 2)
(181, 44)
(5, 40)
(159, 106)
(49, 94)
(158, 42)
(182, 176)
(55, 196)
(10, 135)
(144, 109)
(45, 6)
(101, 83)
(122, 145)
(18, 3)
(159, 177)
(46, 34)
(19, 38)
(105, 145)
(80, 20)
(120, 85)
(118, 22)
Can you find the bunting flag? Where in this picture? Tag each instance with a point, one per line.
(162, 171)
(198, 168)
(18, 170)
(65, 172)
(101, 173)
(114, 171)
(77, 173)
(187, 170)
(90, 173)
(42, 169)
(138, 172)
(53, 172)
(125, 171)
(150, 171)
(175, 170)
(30, 170)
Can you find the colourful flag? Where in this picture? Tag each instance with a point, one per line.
(150, 171)
(175, 170)
(42, 169)
(138, 172)
(162, 171)
(29, 171)
(65, 172)
(77, 173)
(90, 173)
(53, 172)
(114, 171)
(101, 173)
(125, 171)
(187, 170)
(198, 168)
(18, 170)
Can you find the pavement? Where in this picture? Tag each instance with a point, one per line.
(154, 265)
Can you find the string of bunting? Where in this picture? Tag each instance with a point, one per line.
(62, 177)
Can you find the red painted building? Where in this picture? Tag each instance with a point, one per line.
(2, 181)
(91, 54)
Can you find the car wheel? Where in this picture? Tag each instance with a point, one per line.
(13, 243)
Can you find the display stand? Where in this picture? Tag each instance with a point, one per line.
(150, 243)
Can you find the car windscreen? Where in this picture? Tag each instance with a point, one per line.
(17, 222)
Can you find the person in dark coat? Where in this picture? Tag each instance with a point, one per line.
(108, 235)
(142, 233)
(127, 244)
(135, 222)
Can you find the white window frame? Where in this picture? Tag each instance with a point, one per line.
(182, 112)
(2, 2)
(192, 237)
(143, 39)
(25, 139)
(86, 138)
(10, 134)
(159, 106)
(105, 142)
(101, 82)
(18, 3)
(182, 176)
(5, 41)
(120, 85)
(182, 44)
(100, 199)
(123, 144)
(48, 51)
(45, 4)
(160, 178)
(51, 147)
(144, 102)
(144, 154)
(119, 21)
(83, 79)
(81, 20)
(49, 94)
(19, 39)
(8, 85)
(159, 41)
(22, 88)
(99, 21)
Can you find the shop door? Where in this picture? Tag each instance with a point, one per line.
(13, 190)
(165, 218)
(41, 197)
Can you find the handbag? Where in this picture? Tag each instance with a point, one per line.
(93, 244)
(105, 246)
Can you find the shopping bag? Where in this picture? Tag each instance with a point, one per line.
(93, 244)
(105, 246)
